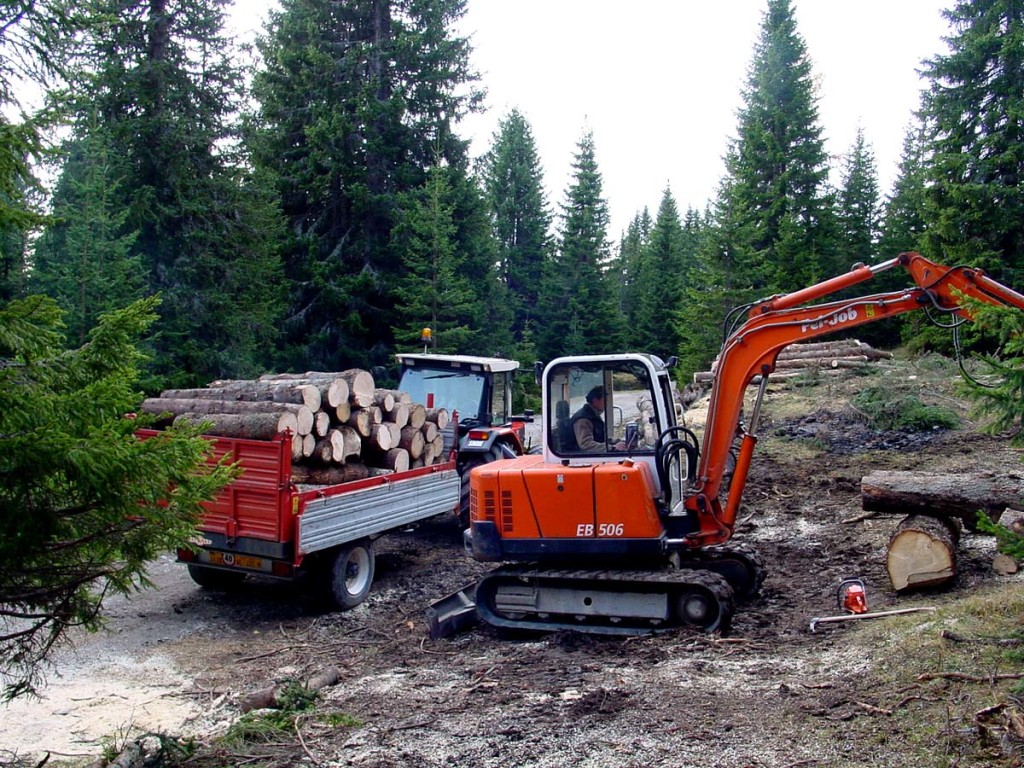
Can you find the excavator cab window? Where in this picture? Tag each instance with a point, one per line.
(622, 421)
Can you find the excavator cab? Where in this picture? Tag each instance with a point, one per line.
(634, 411)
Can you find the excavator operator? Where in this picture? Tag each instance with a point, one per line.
(588, 426)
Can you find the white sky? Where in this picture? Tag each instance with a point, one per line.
(659, 83)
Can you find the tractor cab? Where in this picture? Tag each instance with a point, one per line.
(479, 390)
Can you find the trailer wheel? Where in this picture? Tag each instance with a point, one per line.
(352, 574)
(214, 578)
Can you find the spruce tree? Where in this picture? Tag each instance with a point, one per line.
(974, 109)
(356, 100)
(434, 292)
(660, 282)
(903, 222)
(627, 267)
(85, 258)
(84, 503)
(34, 43)
(773, 227)
(776, 167)
(158, 86)
(514, 185)
(579, 304)
(858, 206)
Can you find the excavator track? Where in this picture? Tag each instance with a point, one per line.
(740, 566)
(610, 602)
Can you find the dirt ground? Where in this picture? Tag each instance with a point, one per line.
(770, 694)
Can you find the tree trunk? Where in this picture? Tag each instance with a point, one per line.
(417, 415)
(379, 438)
(397, 459)
(942, 495)
(343, 412)
(361, 422)
(439, 416)
(308, 475)
(396, 432)
(399, 415)
(346, 444)
(429, 430)
(321, 423)
(250, 426)
(302, 415)
(384, 399)
(922, 552)
(323, 451)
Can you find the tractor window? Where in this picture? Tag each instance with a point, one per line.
(453, 389)
(500, 407)
(622, 421)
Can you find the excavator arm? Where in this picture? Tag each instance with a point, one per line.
(773, 324)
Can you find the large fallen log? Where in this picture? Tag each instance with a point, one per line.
(922, 552)
(958, 495)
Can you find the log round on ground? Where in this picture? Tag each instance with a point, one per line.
(922, 552)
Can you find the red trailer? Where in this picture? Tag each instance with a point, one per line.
(263, 523)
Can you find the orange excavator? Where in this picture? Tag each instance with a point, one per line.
(626, 534)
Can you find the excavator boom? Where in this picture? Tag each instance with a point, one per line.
(773, 324)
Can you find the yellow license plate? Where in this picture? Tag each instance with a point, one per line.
(236, 561)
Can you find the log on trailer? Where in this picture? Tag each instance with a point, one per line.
(942, 495)
(252, 426)
(922, 552)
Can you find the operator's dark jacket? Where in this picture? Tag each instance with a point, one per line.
(586, 412)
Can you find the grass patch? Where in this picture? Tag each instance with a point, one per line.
(950, 683)
(895, 408)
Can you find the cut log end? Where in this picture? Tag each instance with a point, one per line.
(922, 552)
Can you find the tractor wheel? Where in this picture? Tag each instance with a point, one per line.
(475, 460)
(351, 574)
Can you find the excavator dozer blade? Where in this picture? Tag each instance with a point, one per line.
(453, 614)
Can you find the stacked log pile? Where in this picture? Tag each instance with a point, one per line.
(827, 356)
(343, 427)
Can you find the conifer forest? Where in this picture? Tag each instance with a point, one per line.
(316, 209)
